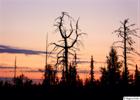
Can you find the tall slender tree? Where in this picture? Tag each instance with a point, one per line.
(46, 60)
(91, 70)
(15, 68)
(125, 32)
(49, 72)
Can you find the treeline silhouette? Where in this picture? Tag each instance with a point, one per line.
(111, 85)
(115, 81)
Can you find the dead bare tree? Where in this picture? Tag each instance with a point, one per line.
(125, 32)
(66, 46)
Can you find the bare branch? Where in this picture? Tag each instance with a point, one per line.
(135, 35)
(131, 25)
(76, 31)
(136, 53)
(71, 30)
(54, 49)
(71, 53)
(58, 45)
(59, 61)
(117, 42)
(118, 47)
(60, 25)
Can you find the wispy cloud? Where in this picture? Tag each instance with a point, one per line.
(10, 67)
(30, 70)
(88, 71)
(6, 67)
(19, 69)
(87, 62)
(83, 62)
(10, 49)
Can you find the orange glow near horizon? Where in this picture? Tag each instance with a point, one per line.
(25, 23)
(34, 63)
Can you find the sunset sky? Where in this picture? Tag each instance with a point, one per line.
(25, 23)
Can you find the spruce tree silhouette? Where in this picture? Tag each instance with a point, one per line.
(22, 81)
(91, 70)
(104, 77)
(72, 75)
(50, 76)
(111, 74)
(137, 77)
